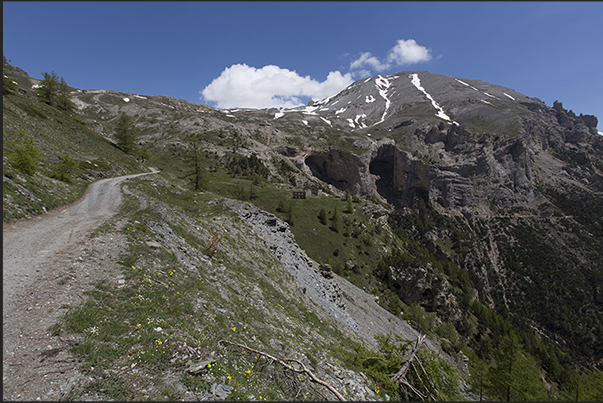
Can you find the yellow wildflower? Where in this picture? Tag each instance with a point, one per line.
(248, 371)
(159, 342)
(229, 377)
(234, 329)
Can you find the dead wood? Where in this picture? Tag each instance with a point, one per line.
(401, 374)
(303, 368)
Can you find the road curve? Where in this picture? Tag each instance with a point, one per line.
(27, 245)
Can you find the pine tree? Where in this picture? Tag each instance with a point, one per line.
(348, 199)
(515, 374)
(23, 154)
(335, 221)
(322, 216)
(199, 175)
(125, 133)
(63, 96)
(49, 88)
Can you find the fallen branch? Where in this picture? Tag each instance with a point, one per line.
(429, 379)
(303, 368)
(404, 382)
(401, 374)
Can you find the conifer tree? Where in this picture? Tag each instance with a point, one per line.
(199, 176)
(348, 199)
(63, 96)
(49, 88)
(515, 374)
(23, 154)
(322, 216)
(125, 133)
(335, 220)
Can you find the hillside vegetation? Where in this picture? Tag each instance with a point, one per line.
(503, 309)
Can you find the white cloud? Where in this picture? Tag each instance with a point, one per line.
(242, 86)
(408, 52)
(405, 52)
(367, 59)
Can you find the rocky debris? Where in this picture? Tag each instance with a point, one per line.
(325, 271)
(200, 366)
(279, 239)
(220, 391)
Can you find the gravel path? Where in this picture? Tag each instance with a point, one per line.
(37, 253)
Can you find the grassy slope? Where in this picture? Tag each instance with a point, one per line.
(235, 294)
(56, 134)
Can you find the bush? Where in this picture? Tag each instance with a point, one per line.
(322, 216)
(64, 169)
(23, 155)
(422, 320)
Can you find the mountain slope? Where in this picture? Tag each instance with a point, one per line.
(465, 208)
(476, 163)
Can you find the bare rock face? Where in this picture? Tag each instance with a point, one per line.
(338, 168)
(424, 284)
(403, 180)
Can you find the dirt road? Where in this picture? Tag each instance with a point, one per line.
(37, 254)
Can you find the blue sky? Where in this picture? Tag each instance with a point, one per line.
(282, 53)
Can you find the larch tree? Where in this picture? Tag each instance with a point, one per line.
(48, 88)
(63, 96)
(125, 133)
(515, 374)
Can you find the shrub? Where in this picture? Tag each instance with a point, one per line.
(64, 169)
(23, 155)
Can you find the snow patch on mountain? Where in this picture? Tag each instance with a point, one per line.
(310, 110)
(370, 99)
(382, 85)
(509, 96)
(362, 125)
(468, 85)
(480, 91)
(416, 81)
(489, 95)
